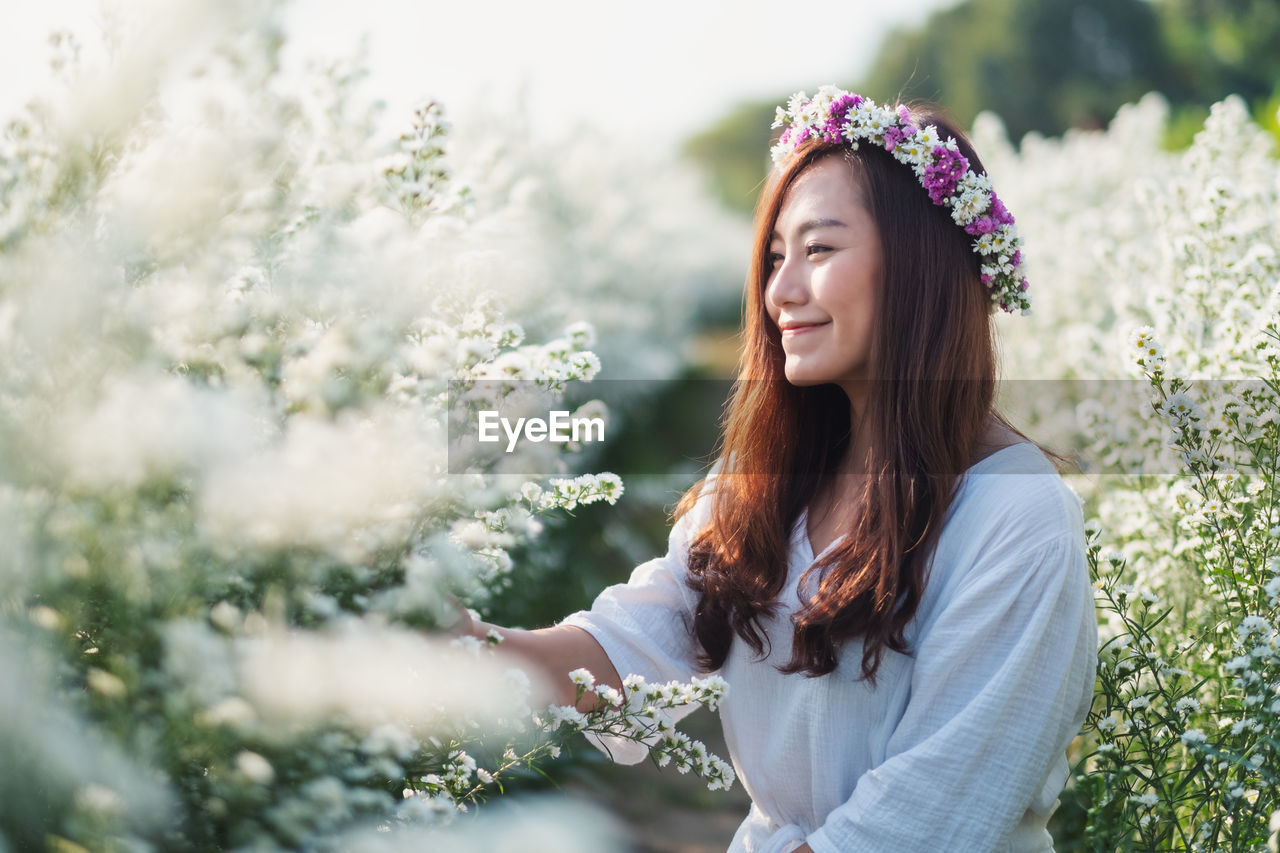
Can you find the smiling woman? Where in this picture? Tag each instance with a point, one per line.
(891, 578)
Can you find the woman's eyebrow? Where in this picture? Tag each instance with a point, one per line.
(813, 224)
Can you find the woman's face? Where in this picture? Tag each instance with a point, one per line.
(825, 275)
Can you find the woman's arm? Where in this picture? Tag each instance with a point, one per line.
(554, 652)
(641, 626)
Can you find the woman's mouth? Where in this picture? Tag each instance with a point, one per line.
(790, 330)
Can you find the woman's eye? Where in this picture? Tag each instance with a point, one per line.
(813, 250)
(775, 258)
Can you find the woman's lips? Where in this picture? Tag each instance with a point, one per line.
(792, 331)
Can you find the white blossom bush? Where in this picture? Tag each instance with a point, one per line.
(234, 326)
(1158, 271)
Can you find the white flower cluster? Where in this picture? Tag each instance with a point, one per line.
(584, 489)
(636, 714)
(418, 174)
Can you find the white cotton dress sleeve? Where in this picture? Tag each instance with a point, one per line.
(644, 625)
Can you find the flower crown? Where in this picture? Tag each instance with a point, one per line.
(839, 116)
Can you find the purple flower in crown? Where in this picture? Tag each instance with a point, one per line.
(999, 212)
(837, 113)
(985, 225)
(943, 174)
(840, 106)
(831, 129)
(997, 215)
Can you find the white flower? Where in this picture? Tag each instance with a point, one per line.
(1194, 736)
(99, 798)
(1142, 337)
(1251, 625)
(1272, 588)
(255, 768)
(1147, 800)
(581, 335)
(1237, 664)
(1181, 409)
(565, 715)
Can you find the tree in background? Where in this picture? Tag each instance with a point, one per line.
(1224, 46)
(1044, 66)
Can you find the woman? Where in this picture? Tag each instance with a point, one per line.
(915, 685)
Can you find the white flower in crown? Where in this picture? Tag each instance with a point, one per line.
(968, 207)
(837, 115)
(911, 152)
(822, 100)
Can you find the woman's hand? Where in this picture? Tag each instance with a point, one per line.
(463, 623)
(555, 651)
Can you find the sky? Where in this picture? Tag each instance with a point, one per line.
(658, 70)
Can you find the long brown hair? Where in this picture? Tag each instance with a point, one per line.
(926, 411)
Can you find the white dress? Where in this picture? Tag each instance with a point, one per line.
(962, 745)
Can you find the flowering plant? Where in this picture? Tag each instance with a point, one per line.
(229, 316)
(1173, 283)
(838, 116)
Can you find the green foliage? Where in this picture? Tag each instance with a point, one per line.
(735, 152)
(1218, 47)
(1043, 66)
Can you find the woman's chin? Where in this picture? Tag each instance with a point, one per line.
(805, 378)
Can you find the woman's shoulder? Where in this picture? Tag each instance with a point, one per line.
(1013, 500)
(694, 511)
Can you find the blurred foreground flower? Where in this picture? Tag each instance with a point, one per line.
(229, 317)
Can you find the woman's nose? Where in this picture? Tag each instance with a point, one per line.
(787, 285)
